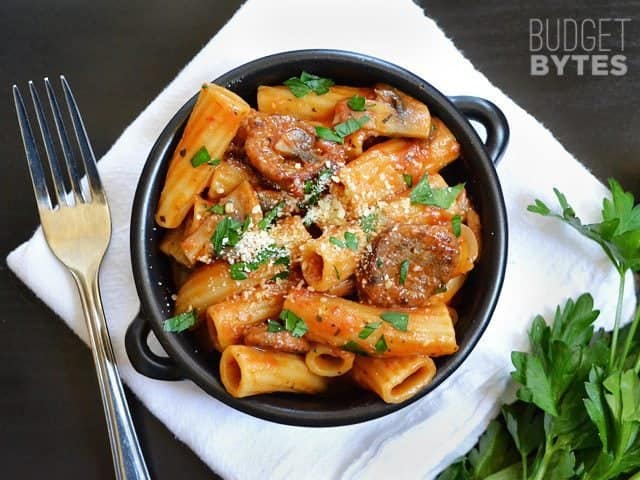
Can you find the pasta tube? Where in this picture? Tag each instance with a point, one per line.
(212, 125)
(247, 371)
(342, 323)
(394, 379)
(328, 361)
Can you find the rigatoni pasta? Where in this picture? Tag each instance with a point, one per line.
(324, 246)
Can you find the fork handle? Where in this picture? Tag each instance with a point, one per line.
(128, 460)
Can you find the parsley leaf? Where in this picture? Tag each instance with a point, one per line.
(313, 189)
(456, 225)
(341, 130)
(293, 323)
(369, 223)
(354, 347)
(438, 197)
(398, 320)
(217, 209)
(270, 216)
(274, 327)
(381, 345)
(180, 322)
(368, 329)
(307, 83)
(404, 270)
(228, 233)
(350, 241)
(238, 271)
(356, 103)
(200, 157)
(336, 242)
(326, 133)
(408, 179)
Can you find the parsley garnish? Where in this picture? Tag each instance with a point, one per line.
(350, 241)
(239, 270)
(369, 223)
(180, 322)
(281, 276)
(398, 320)
(202, 156)
(341, 130)
(217, 209)
(307, 83)
(381, 345)
(293, 323)
(354, 347)
(270, 216)
(368, 329)
(335, 269)
(456, 225)
(228, 232)
(438, 197)
(404, 269)
(356, 103)
(408, 179)
(274, 327)
(316, 187)
(378, 262)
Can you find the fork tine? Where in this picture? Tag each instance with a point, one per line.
(31, 150)
(58, 181)
(83, 140)
(76, 189)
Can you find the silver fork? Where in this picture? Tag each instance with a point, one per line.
(77, 226)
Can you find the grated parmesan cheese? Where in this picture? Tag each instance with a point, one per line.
(247, 249)
(328, 211)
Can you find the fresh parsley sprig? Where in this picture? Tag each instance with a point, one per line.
(578, 410)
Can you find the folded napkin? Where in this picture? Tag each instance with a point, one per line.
(547, 261)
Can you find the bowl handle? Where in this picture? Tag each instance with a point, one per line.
(493, 120)
(142, 358)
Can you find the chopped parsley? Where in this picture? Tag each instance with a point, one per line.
(202, 156)
(404, 269)
(274, 327)
(381, 345)
(356, 103)
(341, 130)
(293, 323)
(442, 288)
(335, 269)
(217, 209)
(180, 322)
(239, 270)
(408, 179)
(270, 216)
(350, 241)
(438, 197)
(379, 262)
(398, 320)
(354, 347)
(456, 225)
(316, 187)
(307, 83)
(281, 276)
(369, 223)
(368, 329)
(228, 232)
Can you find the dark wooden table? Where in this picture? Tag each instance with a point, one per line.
(118, 56)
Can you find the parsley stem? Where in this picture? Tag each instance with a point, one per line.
(630, 336)
(616, 327)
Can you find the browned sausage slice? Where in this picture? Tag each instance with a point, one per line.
(432, 253)
(287, 152)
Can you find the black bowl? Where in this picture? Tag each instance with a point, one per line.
(478, 298)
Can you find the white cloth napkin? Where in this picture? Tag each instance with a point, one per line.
(547, 262)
